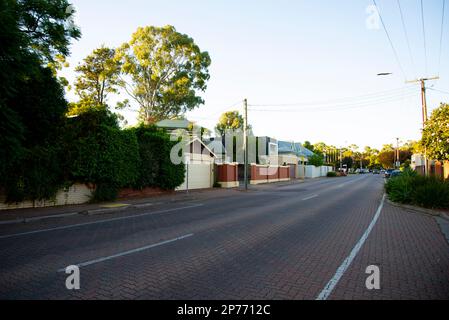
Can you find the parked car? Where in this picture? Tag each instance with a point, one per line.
(395, 173)
(388, 173)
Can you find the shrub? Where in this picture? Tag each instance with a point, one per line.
(433, 193)
(316, 160)
(156, 168)
(104, 192)
(332, 174)
(410, 188)
(98, 152)
(401, 188)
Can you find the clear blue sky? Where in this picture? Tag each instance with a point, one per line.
(282, 52)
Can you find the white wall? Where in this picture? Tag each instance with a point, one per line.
(76, 194)
(316, 172)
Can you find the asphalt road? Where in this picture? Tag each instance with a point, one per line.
(296, 241)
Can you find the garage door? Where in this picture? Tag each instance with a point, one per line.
(200, 177)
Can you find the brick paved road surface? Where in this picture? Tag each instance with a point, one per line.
(274, 242)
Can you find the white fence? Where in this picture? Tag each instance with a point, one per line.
(316, 172)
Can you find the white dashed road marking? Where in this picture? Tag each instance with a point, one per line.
(326, 292)
(88, 263)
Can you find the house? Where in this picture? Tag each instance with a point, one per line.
(199, 161)
(267, 150)
(293, 153)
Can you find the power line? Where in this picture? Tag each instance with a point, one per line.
(441, 36)
(336, 101)
(406, 34)
(366, 104)
(424, 34)
(438, 90)
(391, 42)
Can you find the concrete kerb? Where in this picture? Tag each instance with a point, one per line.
(92, 212)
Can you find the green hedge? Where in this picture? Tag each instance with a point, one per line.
(98, 152)
(156, 168)
(91, 148)
(410, 188)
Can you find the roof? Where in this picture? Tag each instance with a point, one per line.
(294, 148)
(174, 124)
(303, 151)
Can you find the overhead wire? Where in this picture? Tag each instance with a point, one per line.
(390, 41)
(406, 35)
(424, 35)
(337, 101)
(348, 106)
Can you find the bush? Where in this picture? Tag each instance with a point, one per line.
(433, 194)
(98, 152)
(332, 174)
(156, 168)
(105, 192)
(316, 160)
(31, 118)
(401, 189)
(410, 188)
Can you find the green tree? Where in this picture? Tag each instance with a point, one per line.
(231, 120)
(386, 158)
(164, 71)
(33, 35)
(46, 26)
(320, 148)
(316, 160)
(436, 133)
(309, 146)
(98, 76)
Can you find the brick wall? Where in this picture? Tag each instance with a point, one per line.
(228, 175)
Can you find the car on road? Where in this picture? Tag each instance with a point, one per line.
(395, 173)
(375, 171)
(388, 173)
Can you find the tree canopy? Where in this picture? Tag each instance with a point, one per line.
(231, 120)
(164, 71)
(46, 27)
(98, 76)
(436, 133)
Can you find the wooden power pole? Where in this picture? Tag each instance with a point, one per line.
(422, 81)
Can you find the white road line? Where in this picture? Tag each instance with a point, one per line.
(325, 293)
(310, 197)
(88, 263)
(96, 222)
